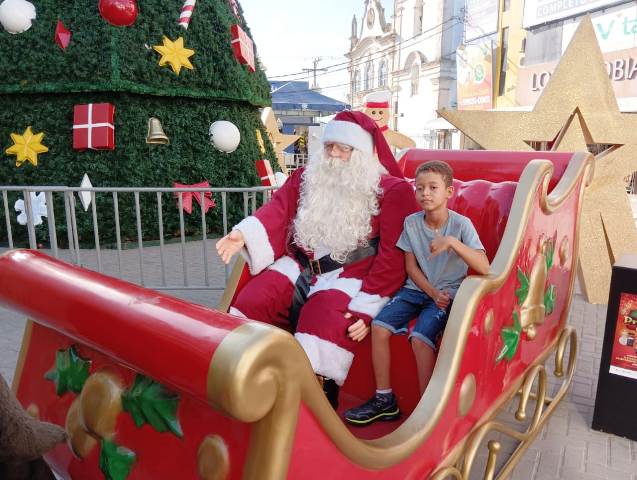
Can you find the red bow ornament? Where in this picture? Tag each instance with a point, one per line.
(186, 203)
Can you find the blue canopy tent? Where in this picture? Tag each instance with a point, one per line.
(296, 99)
(297, 106)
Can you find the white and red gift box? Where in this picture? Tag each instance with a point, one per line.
(93, 126)
(264, 169)
(242, 47)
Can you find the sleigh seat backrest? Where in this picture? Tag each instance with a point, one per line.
(484, 186)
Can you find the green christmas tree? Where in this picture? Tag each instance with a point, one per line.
(41, 83)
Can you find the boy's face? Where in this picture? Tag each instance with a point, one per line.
(431, 192)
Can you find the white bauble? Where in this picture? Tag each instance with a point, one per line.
(16, 16)
(224, 136)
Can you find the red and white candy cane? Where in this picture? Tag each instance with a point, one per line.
(186, 13)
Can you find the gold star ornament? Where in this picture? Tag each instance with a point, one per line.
(174, 54)
(280, 141)
(26, 147)
(577, 111)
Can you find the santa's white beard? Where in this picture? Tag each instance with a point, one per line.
(338, 200)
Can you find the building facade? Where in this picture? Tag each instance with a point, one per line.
(534, 34)
(411, 53)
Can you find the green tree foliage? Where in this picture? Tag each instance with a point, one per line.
(41, 84)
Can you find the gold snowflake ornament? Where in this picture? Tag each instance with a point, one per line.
(26, 147)
(174, 54)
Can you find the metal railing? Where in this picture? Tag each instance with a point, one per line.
(168, 257)
(295, 160)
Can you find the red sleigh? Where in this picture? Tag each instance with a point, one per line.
(150, 387)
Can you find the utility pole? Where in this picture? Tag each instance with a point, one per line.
(314, 69)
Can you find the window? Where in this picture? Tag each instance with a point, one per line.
(418, 9)
(369, 76)
(415, 79)
(382, 74)
(543, 45)
(503, 61)
(355, 83)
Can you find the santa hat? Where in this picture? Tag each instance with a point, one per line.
(360, 131)
(378, 99)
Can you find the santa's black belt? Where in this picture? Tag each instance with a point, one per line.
(327, 264)
(317, 267)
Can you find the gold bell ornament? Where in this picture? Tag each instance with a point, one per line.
(156, 133)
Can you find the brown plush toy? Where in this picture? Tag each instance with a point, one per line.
(23, 440)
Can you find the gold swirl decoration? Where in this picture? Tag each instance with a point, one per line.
(213, 461)
(532, 309)
(260, 374)
(93, 414)
(544, 407)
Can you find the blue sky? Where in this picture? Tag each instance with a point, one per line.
(290, 33)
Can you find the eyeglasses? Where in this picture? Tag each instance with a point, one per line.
(339, 146)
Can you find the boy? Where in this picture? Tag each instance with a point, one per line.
(439, 245)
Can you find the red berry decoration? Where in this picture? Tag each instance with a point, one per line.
(121, 13)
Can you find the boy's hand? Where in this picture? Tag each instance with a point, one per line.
(442, 299)
(439, 245)
(358, 330)
(229, 245)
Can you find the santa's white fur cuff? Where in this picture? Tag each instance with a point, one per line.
(257, 252)
(327, 358)
(288, 267)
(369, 304)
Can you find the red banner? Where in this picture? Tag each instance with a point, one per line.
(623, 359)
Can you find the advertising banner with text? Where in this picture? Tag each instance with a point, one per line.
(474, 65)
(621, 66)
(537, 12)
(623, 359)
(615, 28)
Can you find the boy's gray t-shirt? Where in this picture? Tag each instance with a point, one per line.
(447, 270)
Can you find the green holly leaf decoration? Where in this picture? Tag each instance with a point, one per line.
(523, 290)
(70, 372)
(149, 402)
(511, 339)
(633, 314)
(550, 296)
(116, 462)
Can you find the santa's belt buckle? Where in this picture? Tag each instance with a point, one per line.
(315, 267)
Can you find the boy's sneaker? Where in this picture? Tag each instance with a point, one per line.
(379, 407)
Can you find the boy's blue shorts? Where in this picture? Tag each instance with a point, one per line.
(405, 305)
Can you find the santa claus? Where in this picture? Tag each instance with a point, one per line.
(323, 250)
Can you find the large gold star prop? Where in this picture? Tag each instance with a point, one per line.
(174, 54)
(577, 110)
(26, 147)
(280, 141)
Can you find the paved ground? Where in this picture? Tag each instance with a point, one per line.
(566, 449)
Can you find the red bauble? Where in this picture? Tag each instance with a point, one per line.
(120, 13)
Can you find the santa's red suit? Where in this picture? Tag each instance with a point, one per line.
(361, 287)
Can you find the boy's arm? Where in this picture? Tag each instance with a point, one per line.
(476, 259)
(420, 279)
(468, 247)
(417, 275)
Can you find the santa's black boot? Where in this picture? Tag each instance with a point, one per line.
(331, 390)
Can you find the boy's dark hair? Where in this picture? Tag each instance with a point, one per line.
(440, 167)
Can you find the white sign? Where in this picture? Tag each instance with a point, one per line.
(537, 12)
(481, 18)
(616, 29)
